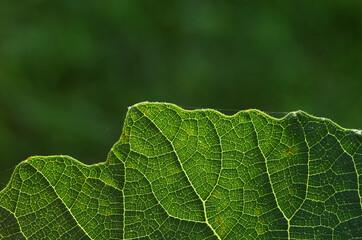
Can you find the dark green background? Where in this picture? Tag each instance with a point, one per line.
(69, 69)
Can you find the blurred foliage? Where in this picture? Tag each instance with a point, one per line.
(69, 70)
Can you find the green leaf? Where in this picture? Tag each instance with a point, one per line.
(179, 174)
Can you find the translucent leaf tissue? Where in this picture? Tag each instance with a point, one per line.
(179, 174)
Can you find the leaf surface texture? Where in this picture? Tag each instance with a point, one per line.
(179, 174)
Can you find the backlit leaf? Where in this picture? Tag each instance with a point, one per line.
(179, 174)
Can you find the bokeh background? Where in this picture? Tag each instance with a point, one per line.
(70, 69)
